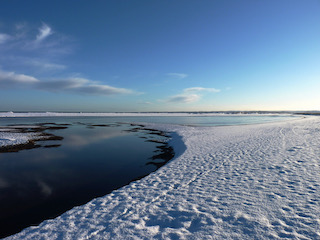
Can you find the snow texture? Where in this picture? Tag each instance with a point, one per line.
(8, 138)
(231, 182)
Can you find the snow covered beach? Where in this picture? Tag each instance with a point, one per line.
(233, 182)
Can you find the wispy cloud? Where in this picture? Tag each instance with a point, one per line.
(145, 102)
(178, 75)
(7, 79)
(30, 64)
(45, 65)
(184, 98)
(190, 95)
(26, 38)
(44, 32)
(105, 90)
(4, 38)
(62, 84)
(75, 85)
(81, 86)
(201, 89)
(25, 51)
(32, 54)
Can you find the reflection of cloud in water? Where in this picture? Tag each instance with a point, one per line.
(46, 190)
(92, 136)
(3, 183)
(42, 156)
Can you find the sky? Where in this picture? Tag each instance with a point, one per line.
(159, 55)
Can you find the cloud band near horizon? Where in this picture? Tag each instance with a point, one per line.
(75, 85)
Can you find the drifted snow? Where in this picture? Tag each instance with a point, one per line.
(234, 182)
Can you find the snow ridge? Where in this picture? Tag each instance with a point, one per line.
(232, 182)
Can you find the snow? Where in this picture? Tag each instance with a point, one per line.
(12, 138)
(10, 135)
(231, 182)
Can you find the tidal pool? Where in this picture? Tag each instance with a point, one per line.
(87, 159)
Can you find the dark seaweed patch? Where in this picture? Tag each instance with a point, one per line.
(16, 148)
(52, 146)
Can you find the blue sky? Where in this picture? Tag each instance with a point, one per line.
(182, 55)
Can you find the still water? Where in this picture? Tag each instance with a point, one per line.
(220, 120)
(91, 160)
(94, 156)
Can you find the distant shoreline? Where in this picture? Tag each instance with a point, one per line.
(132, 114)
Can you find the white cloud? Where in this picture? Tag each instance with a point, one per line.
(102, 90)
(81, 86)
(62, 84)
(32, 64)
(76, 85)
(4, 37)
(190, 95)
(40, 53)
(44, 46)
(45, 65)
(10, 78)
(201, 89)
(184, 98)
(23, 42)
(178, 75)
(44, 32)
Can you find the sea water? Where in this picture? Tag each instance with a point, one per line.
(196, 120)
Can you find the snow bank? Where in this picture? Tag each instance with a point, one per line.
(232, 182)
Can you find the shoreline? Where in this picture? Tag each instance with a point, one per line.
(27, 141)
(37, 136)
(234, 182)
(142, 114)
